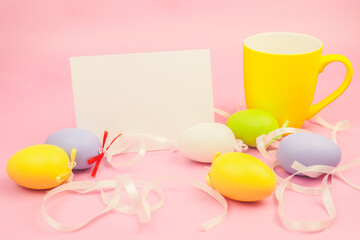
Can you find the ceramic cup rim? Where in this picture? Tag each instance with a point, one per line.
(256, 41)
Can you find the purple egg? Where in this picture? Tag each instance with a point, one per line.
(308, 149)
(86, 143)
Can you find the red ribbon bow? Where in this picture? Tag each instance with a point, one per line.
(99, 157)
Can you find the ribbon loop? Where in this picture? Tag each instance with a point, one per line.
(140, 206)
(339, 126)
(240, 146)
(217, 196)
(325, 193)
(129, 141)
(271, 141)
(265, 141)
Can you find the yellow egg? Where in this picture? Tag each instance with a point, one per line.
(39, 167)
(241, 177)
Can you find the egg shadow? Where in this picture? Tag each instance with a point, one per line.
(254, 204)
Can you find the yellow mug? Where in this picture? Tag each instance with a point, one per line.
(280, 75)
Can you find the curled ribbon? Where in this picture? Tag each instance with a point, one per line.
(225, 114)
(222, 113)
(240, 146)
(128, 141)
(318, 225)
(340, 126)
(265, 141)
(140, 205)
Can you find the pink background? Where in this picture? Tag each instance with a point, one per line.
(38, 37)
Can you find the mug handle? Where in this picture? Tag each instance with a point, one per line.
(325, 60)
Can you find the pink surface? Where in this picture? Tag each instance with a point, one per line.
(37, 39)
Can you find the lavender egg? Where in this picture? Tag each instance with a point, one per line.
(308, 149)
(86, 143)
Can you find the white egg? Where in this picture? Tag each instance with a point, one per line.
(200, 142)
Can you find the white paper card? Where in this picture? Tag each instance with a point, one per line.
(159, 93)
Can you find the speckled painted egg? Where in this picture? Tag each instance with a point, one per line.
(85, 142)
(308, 149)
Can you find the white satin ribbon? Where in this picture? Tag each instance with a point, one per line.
(325, 192)
(265, 141)
(222, 113)
(339, 126)
(225, 114)
(240, 105)
(140, 205)
(127, 141)
(197, 184)
(318, 225)
(240, 146)
(87, 186)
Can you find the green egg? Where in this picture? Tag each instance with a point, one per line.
(249, 124)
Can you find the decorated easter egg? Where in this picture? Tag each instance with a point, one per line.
(200, 142)
(249, 124)
(39, 167)
(241, 177)
(85, 142)
(308, 149)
